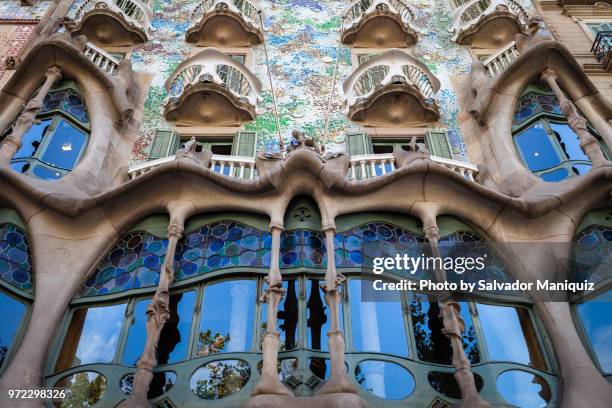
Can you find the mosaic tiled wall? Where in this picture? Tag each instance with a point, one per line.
(12, 10)
(302, 38)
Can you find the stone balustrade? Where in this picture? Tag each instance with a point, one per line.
(501, 59)
(465, 169)
(102, 59)
(232, 166)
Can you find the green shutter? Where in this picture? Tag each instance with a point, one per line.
(245, 144)
(358, 143)
(438, 144)
(165, 143)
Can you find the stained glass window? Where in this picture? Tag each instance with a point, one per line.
(593, 254)
(533, 102)
(15, 263)
(303, 248)
(134, 262)
(67, 100)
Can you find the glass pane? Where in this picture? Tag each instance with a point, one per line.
(161, 383)
(12, 314)
(581, 168)
(32, 138)
(20, 166)
(46, 173)
(555, 175)
(536, 148)
(446, 383)
(83, 389)
(510, 335)
(384, 379)
(523, 389)
(433, 345)
(219, 379)
(319, 319)
(569, 142)
(376, 326)
(287, 317)
(174, 338)
(227, 317)
(65, 146)
(92, 336)
(596, 318)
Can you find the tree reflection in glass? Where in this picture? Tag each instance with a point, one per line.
(433, 345)
(218, 379)
(83, 389)
(287, 316)
(227, 317)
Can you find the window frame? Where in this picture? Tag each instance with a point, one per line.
(20, 333)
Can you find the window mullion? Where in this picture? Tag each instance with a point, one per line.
(480, 338)
(128, 321)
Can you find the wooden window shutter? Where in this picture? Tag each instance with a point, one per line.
(358, 143)
(245, 144)
(165, 143)
(438, 144)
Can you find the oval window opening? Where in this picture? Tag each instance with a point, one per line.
(384, 379)
(446, 384)
(523, 389)
(83, 389)
(161, 383)
(219, 379)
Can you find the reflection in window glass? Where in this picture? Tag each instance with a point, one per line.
(510, 335)
(433, 345)
(536, 148)
(83, 389)
(92, 336)
(219, 379)
(174, 338)
(596, 318)
(65, 146)
(446, 383)
(523, 389)
(12, 315)
(287, 316)
(569, 142)
(161, 383)
(376, 326)
(384, 379)
(319, 319)
(32, 138)
(227, 317)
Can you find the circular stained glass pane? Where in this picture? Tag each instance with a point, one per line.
(219, 379)
(523, 389)
(83, 389)
(384, 379)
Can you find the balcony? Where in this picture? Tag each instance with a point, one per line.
(391, 90)
(225, 23)
(367, 166)
(211, 89)
(501, 60)
(101, 59)
(378, 23)
(601, 49)
(488, 23)
(231, 166)
(113, 22)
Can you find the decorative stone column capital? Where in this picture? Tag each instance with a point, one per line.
(175, 230)
(548, 74)
(432, 233)
(54, 73)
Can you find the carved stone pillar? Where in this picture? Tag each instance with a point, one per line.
(453, 327)
(12, 143)
(269, 382)
(338, 382)
(158, 313)
(588, 143)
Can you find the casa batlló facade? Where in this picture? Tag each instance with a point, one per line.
(192, 192)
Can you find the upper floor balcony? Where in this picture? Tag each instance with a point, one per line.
(601, 48)
(211, 89)
(488, 23)
(225, 23)
(113, 22)
(379, 23)
(392, 90)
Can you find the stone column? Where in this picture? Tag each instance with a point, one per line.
(588, 143)
(12, 143)
(338, 382)
(158, 313)
(269, 382)
(453, 328)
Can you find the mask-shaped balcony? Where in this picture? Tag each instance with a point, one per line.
(378, 23)
(211, 89)
(392, 90)
(488, 23)
(225, 23)
(113, 22)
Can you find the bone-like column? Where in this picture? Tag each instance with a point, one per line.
(269, 382)
(588, 143)
(453, 328)
(158, 313)
(24, 122)
(338, 382)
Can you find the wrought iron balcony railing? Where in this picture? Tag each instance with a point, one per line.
(471, 13)
(601, 46)
(243, 7)
(134, 11)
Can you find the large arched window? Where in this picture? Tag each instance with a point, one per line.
(53, 146)
(16, 284)
(593, 263)
(544, 140)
